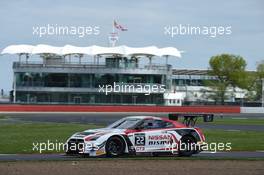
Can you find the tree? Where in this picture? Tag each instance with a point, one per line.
(252, 84)
(229, 71)
(258, 80)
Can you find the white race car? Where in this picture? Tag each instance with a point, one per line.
(137, 134)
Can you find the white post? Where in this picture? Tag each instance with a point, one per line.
(14, 91)
(113, 27)
(167, 59)
(27, 56)
(113, 37)
(150, 61)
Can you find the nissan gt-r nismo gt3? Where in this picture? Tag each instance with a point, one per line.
(137, 134)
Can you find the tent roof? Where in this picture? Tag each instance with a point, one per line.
(92, 50)
(17, 49)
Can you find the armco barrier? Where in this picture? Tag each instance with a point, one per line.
(252, 110)
(83, 108)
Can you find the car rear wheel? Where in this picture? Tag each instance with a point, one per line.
(187, 147)
(115, 146)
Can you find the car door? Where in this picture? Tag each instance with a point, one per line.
(152, 137)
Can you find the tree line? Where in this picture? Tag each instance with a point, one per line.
(230, 72)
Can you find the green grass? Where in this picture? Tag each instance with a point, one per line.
(240, 140)
(234, 121)
(18, 138)
(2, 117)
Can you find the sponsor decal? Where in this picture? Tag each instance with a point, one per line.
(160, 137)
(140, 148)
(159, 142)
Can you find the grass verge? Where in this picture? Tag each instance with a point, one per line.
(235, 121)
(240, 140)
(19, 138)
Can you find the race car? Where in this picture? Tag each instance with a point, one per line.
(135, 135)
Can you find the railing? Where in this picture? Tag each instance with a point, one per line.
(117, 87)
(90, 65)
(81, 85)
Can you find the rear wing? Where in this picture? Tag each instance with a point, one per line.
(190, 119)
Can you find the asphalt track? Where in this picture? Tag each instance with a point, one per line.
(107, 118)
(41, 157)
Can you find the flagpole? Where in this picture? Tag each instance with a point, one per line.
(114, 34)
(111, 35)
(113, 30)
(113, 26)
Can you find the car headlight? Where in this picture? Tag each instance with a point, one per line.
(91, 147)
(92, 138)
(95, 138)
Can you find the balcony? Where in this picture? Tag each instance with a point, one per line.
(141, 88)
(89, 67)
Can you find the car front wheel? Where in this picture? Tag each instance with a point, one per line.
(115, 146)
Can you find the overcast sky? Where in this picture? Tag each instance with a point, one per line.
(145, 20)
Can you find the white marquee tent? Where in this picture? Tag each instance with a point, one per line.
(92, 50)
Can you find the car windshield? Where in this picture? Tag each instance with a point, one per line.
(125, 123)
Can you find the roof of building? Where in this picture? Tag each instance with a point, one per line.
(196, 72)
(189, 72)
(92, 50)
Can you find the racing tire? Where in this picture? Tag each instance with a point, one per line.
(155, 154)
(115, 147)
(189, 148)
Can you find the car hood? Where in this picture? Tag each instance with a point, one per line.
(100, 131)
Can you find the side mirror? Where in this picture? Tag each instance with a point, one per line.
(150, 124)
(138, 128)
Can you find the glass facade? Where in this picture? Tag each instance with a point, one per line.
(71, 83)
(28, 79)
(58, 81)
(187, 82)
(191, 80)
(87, 98)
